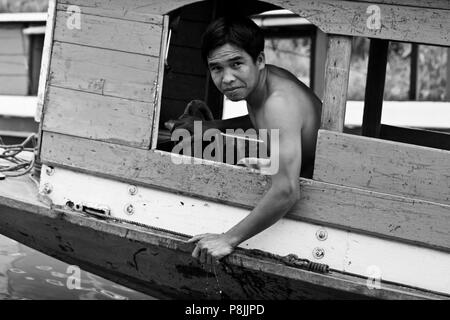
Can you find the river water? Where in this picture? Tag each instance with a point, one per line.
(27, 274)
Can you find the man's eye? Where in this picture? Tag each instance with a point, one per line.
(236, 64)
(215, 69)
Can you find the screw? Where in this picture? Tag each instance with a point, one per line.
(47, 189)
(132, 190)
(50, 171)
(318, 253)
(322, 234)
(129, 209)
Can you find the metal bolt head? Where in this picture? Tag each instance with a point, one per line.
(322, 234)
(47, 189)
(129, 209)
(50, 171)
(318, 253)
(132, 190)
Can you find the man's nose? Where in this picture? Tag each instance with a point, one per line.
(228, 77)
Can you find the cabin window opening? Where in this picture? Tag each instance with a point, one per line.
(289, 42)
(415, 97)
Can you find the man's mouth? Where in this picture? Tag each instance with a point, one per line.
(231, 90)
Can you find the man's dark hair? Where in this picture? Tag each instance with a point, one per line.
(239, 31)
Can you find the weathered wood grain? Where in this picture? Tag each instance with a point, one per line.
(337, 69)
(433, 4)
(136, 260)
(425, 138)
(136, 10)
(45, 63)
(383, 166)
(105, 72)
(158, 96)
(399, 22)
(110, 33)
(14, 65)
(97, 117)
(11, 39)
(14, 85)
(403, 219)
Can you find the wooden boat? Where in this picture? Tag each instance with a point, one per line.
(374, 222)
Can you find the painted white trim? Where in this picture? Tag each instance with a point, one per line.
(34, 30)
(18, 106)
(344, 251)
(23, 17)
(46, 58)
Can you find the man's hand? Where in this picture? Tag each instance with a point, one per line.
(211, 247)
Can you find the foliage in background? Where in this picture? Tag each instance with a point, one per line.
(23, 6)
(294, 55)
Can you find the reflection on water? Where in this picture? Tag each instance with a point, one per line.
(28, 274)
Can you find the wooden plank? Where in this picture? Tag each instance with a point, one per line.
(397, 22)
(447, 86)
(384, 215)
(110, 33)
(45, 62)
(136, 10)
(11, 39)
(14, 85)
(425, 138)
(161, 72)
(373, 98)
(13, 65)
(433, 4)
(319, 60)
(97, 117)
(383, 166)
(106, 72)
(338, 17)
(337, 69)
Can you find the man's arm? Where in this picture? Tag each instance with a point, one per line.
(281, 196)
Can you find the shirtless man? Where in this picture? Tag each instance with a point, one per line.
(233, 49)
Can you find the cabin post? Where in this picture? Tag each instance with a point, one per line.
(337, 67)
(319, 49)
(373, 99)
(447, 92)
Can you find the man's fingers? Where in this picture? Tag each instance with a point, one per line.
(195, 253)
(196, 238)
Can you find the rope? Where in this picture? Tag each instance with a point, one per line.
(11, 165)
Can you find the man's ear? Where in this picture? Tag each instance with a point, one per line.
(261, 60)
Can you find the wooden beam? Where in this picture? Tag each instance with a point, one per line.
(337, 68)
(110, 33)
(383, 166)
(413, 80)
(106, 72)
(425, 138)
(136, 10)
(373, 99)
(98, 117)
(318, 63)
(389, 216)
(338, 17)
(447, 91)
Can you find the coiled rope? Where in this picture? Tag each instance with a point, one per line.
(11, 164)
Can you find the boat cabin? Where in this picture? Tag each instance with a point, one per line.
(115, 71)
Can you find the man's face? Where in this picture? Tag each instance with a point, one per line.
(234, 72)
